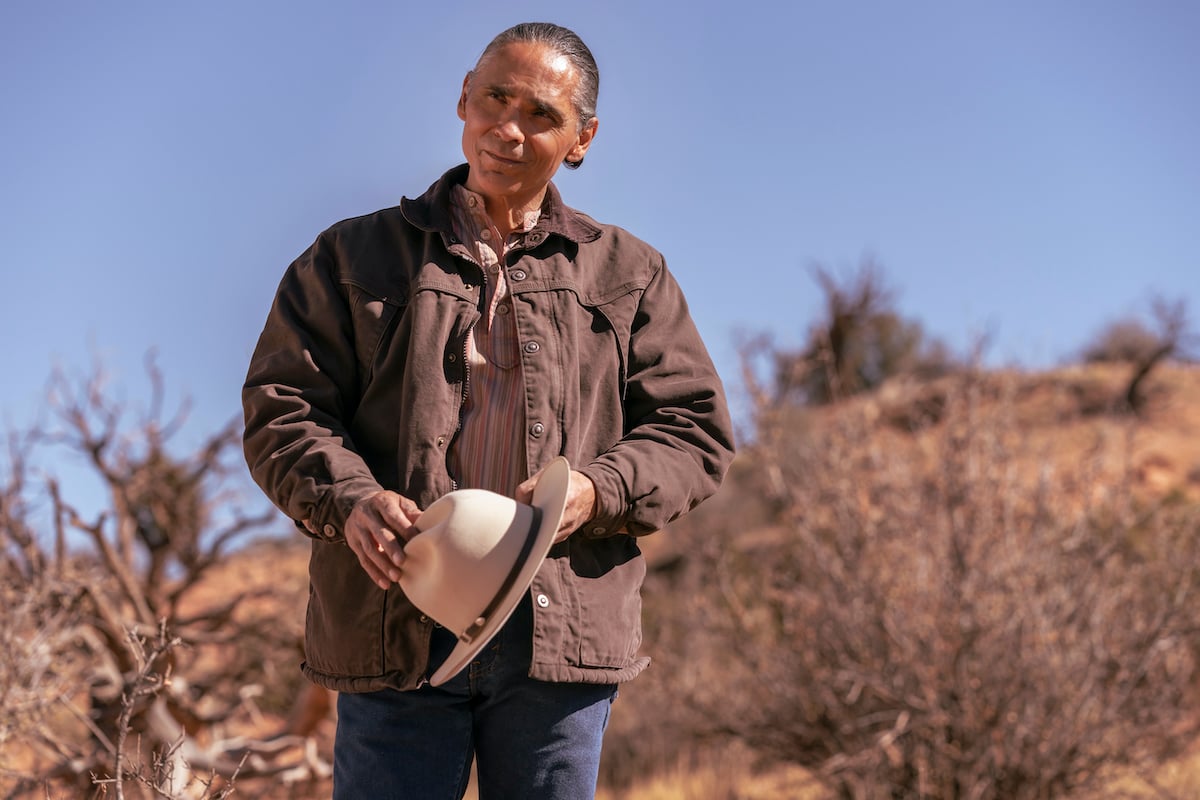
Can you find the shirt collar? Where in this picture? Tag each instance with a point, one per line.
(431, 211)
(475, 207)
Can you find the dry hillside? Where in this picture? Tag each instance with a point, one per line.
(1067, 426)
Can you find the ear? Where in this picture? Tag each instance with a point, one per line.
(580, 148)
(462, 98)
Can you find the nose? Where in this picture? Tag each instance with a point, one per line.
(508, 127)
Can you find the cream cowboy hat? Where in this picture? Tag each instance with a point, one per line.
(475, 554)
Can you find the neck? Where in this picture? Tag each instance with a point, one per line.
(508, 214)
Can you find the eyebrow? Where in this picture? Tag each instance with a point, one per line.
(538, 105)
(548, 109)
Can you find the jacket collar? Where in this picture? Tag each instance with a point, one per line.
(431, 211)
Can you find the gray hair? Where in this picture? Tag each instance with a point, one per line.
(566, 43)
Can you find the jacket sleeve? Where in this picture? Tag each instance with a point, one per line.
(299, 396)
(678, 440)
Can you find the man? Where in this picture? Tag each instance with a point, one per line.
(465, 339)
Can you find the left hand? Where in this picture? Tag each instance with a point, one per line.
(581, 502)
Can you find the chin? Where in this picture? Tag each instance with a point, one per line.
(500, 183)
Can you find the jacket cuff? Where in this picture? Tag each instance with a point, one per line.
(328, 522)
(611, 505)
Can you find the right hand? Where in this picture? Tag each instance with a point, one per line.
(376, 530)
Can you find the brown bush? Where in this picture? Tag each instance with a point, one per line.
(935, 615)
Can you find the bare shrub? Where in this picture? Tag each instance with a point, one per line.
(945, 615)
(859, 342)
(116, 677)
(1122, 340)
(1132, 341)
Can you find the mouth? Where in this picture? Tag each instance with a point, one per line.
(509, 162)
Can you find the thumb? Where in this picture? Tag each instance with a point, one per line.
(524, 493)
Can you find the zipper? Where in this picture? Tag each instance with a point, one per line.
(462, 402)
(466, 364)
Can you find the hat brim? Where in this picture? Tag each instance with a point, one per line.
(549, 495)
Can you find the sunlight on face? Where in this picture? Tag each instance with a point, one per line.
(520, 122)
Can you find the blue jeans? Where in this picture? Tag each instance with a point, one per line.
(530, 739)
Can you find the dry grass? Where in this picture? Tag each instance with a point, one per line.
(728, 773)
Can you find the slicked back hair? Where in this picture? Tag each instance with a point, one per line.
(566, 43)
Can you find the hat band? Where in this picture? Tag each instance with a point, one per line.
(473, 630)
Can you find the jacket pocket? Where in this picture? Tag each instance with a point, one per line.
(371, 315)
(600, 356)
(608, 575)
(345, 615)
(619, 311)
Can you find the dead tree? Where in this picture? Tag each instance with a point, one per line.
(1130, 341)
(116, 678)
(858, 342)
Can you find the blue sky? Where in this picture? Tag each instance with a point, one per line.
(1029, 170)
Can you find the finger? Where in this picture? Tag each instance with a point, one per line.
(378, 575)
(395, 517)
(377, 550)
(395, 512)
(405, 524)
(386, 549)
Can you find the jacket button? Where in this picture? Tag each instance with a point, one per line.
(599, 530)
(452, 358)
(532, 347)
(543, 601)
(537, 429)
(518, 275)
(330, 531)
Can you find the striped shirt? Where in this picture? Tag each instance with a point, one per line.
(489, 450)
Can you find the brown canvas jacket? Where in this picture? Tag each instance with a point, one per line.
(356, 385)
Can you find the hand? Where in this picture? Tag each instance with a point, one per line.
(581, 502)
(376, 530)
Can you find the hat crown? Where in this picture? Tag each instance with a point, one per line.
(467, 543)
(475, 554)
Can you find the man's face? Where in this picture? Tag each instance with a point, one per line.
(520, 122)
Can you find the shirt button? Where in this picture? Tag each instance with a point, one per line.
(518, 275)
(543, 601)
(537, 429)
(472, 201)
(330, 531)
(532, 347)
(599, 530)
(485, 234)
(503, 309)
